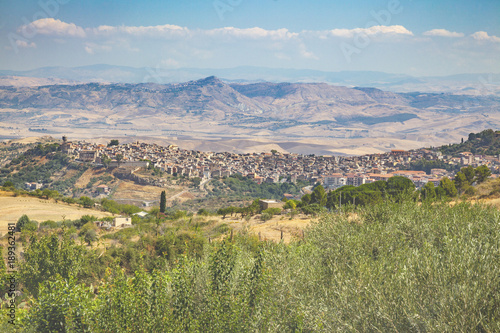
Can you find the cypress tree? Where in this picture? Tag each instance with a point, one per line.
(163, 202)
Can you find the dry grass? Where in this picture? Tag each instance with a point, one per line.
(130, 191)
(269, 230)
(12, 208)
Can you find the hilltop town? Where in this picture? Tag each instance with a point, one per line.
(273, 167)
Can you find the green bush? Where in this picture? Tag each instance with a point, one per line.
(266, 216)
(49, 225)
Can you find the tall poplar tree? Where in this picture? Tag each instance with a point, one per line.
(163, 202)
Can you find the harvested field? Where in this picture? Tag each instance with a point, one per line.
(12, 208)
(130, 192)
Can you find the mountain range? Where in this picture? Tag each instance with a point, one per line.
(470, 84)
(315, 116)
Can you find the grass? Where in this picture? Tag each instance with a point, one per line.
(12, 208)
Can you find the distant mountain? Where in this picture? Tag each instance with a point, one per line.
(472, 84)
(239, 103)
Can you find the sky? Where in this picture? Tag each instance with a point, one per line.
(414, 37)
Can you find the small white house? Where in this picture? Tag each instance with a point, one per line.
(122, 222)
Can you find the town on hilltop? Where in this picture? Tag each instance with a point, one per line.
(273, 167)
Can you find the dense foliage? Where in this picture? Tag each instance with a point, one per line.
(428, 165)
(31, 167)
(391, 267)
(240, 187)
(486, 142)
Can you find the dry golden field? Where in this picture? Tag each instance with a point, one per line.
(12, 208)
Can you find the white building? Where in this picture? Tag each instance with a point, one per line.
(122, 222)
(334, 181)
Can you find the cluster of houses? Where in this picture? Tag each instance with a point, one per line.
(332, 171)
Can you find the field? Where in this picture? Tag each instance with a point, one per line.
(129, 192)
(12, 208)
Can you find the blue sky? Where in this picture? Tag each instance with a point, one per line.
(416, 37)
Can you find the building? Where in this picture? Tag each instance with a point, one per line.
(102, 189)
(334, 181)
(399, 152)
(122, 222)
(265, 204)
(133, 164)
(66, 146)
(32, 186)
(87, 155)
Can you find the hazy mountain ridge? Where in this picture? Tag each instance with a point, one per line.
(472, 84)
(211, 95)
(260, 112)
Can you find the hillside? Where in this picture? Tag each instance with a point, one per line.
(486, 142)
(209, 114)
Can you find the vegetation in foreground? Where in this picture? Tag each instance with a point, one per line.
(389, 267)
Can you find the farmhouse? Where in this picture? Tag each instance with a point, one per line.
(265, 204)
(122, 222)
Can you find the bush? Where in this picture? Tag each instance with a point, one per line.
(87, 227)
(272, 211)
(90, 236)
(49, 224)
(266, 216)
(21, 222)
(84, 220)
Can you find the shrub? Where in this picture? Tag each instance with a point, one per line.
(266, 216)
(49, 224)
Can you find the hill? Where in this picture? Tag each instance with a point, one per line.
(209, 113)
(471, 84)
(486, 142)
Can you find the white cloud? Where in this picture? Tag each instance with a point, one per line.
(443, 33)
(483, 36)
(252, 33)
(50, 26)
(375, 30)
(25, 44)
(167, 30)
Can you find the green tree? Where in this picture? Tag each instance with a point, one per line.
(163, 202)
(63, 306)
(105, 160)
(8, 184)
(482, 173)
(86, 202)
(429, 191)
(398, 184)
(306, 199)
(113, 142)
(469, 174)
(119, 158)
(90, 236)
(460, 181)
(448, 186)
(313, 209)
(22, 222)
(290, 204)
(47, 256)
(318, 196)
